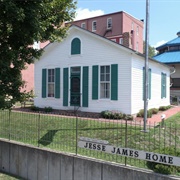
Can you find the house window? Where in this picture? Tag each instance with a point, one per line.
(83, 25)
(105, 82)
(137, 30)
(132, 26)
(75, 46)
(51, 82)
(163, 85)
(94, 26)
(109, 23)
(121, 41)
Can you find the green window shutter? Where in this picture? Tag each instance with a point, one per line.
(44, 82)
(95, 82)
(161, 85)
(149, 90)
(114, 82)
(65, 86)
(85, 86)
(165, 85)
(76, 46)
(57, 82)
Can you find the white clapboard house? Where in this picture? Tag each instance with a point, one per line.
(95, 74)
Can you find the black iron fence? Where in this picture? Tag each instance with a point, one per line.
(62, 133)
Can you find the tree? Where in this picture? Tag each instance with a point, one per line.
(23, 22)
(152, 51)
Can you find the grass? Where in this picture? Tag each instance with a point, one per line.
(59, 133)
(4, 176)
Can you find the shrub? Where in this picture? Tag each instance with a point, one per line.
(48, 109)
(35, 108)
(141, 113)
(154, 110)
(106, 114)
(163, 168)
(115, 115)
(164, 108)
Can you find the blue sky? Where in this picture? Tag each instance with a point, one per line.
(164, 19)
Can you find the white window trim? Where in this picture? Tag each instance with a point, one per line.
(106, 98)
(108, 23)
(121, 41)
(83, 24)
(137, 30)
(94, 29)
(50, 83)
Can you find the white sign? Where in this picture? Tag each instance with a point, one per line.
(148, 156)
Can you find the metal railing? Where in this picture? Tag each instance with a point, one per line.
(62, 133)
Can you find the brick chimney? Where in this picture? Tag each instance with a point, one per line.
(127, 39)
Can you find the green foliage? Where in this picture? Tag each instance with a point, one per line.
(152, 51)
(141, 113)
(163, 168)
(21, 24)
(48, 109)
(154, 110)
(35, 108)
(115, 115)
(164, 108)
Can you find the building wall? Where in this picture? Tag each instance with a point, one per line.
(28, 77)
(131, 23)
(94, 52)
(137, 85)
(97, 51)
(121, 23)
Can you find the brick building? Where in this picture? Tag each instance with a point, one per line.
(120, 27)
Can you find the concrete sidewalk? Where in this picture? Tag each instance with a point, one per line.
(156, 118)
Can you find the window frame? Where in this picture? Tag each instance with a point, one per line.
(109, 27)
(163, 85)
(94, 25)
(137, 30)
(51, 77)
(83, 25)
(74, 46)
(105, 84)
(121, 41)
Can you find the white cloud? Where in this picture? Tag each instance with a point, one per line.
(86, 13)
(159, 43)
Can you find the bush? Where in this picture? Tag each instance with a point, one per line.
(48, 109)
(154, 110)
(164, 108)
(163, 168)
(35, 108)
(141, 113)
(115, 115)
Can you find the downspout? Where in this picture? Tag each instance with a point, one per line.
(173, 71)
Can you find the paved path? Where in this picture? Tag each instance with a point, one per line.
(156, 118)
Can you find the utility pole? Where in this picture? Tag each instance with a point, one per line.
(146, 65)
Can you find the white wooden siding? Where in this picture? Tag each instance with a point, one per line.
(98, 51)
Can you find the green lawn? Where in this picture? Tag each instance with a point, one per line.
(4, 176)
(60, 133)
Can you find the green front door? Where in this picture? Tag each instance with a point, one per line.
(75, 86)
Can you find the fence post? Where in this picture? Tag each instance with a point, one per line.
(76, 133)
(126, 142)
(38, 128)
(9, 124)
